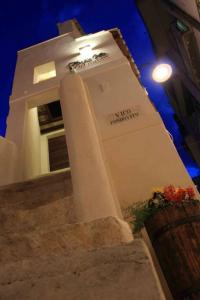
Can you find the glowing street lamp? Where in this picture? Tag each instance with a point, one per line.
(162, 72)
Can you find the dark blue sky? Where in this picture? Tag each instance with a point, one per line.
(24, 23)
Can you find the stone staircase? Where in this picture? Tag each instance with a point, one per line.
(45, 254)
(43, 202)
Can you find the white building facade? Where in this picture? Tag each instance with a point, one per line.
(119, 149)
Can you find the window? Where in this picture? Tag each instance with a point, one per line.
(44, 72)
(50, 117)
(182, 27)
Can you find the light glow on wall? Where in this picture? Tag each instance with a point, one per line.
(86, 52)
(162, 72)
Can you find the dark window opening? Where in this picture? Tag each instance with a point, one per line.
(181, 26)
(55, 109)
(50, 117)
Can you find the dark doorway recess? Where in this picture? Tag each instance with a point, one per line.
(50, 117)
(58, 155)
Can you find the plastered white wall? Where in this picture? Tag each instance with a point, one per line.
(113, 89)
(139, 151)
(8, 161)
(26, 95)
(61, 50)
(32, 147)
(94, 196)
(16, 122)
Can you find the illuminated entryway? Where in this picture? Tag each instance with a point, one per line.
(45, 148)
(54, 154)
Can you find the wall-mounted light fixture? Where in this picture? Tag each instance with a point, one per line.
(86, 51)
(162, 72)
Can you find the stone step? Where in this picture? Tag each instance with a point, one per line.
(38, 191)
(62, 239)
(45, 254)
(117, 272)
(43, 202)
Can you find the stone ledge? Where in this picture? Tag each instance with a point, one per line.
(23, 219)
(118, 273)
(61, 239)
(39, 189)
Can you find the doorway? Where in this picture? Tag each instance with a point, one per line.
(54, 153)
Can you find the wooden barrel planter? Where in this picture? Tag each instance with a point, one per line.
(175, 236)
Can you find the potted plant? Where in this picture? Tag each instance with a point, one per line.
(172, 220)
(161, 199)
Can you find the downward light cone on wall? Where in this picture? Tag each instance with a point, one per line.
(162, 72)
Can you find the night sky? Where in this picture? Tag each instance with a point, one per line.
(25, 23)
